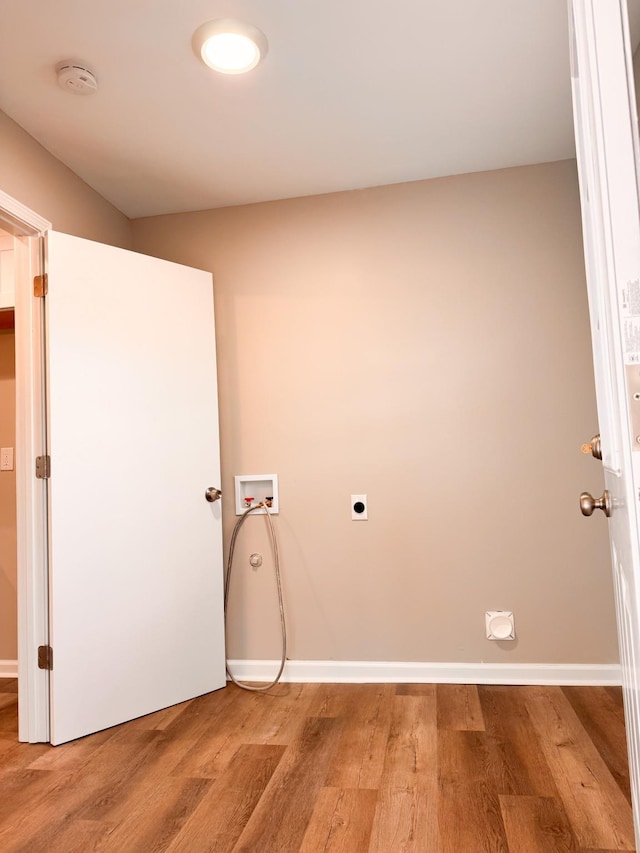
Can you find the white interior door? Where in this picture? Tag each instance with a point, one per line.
(606, 137)
(136, 621)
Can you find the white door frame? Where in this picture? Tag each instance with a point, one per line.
(31, 494)
(605, 112)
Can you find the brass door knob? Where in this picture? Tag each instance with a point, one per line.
(594, 447)
(588, 503)
(212, 494)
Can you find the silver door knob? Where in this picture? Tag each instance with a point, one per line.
(588, 503)
(594, 447)
(213, 494)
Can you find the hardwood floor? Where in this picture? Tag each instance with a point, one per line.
(355, 768)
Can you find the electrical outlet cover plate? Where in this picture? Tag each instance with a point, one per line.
(499, 625)
(359, 514)
(6, 459)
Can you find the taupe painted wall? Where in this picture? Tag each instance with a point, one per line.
(426, 344)
(37, 179)
(8, 565)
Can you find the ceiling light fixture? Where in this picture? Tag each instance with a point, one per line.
(230, 46)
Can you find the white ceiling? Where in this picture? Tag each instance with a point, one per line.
(353, 93)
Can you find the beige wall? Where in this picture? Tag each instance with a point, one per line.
(426, 344)
(8, 577)
(40, 181)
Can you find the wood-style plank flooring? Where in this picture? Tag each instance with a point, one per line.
(355, 768)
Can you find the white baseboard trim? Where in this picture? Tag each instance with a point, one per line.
(359, 672)
(8, 668)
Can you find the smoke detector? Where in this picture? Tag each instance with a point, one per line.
(75, 77)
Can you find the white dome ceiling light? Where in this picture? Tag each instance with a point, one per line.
(230, 46)
(75, 77)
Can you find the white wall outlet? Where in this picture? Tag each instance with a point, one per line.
(500, 625)
(359, 508)
(6, 459)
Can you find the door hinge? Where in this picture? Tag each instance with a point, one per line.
(40, 285)
(45, 657)
(43, 467)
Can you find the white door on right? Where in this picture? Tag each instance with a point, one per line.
(607, 150)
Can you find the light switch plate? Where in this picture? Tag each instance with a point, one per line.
(6, 459)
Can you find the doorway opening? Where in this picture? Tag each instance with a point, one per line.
(23, 233)
(159, 523)
(8, 528)
(8, 539)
